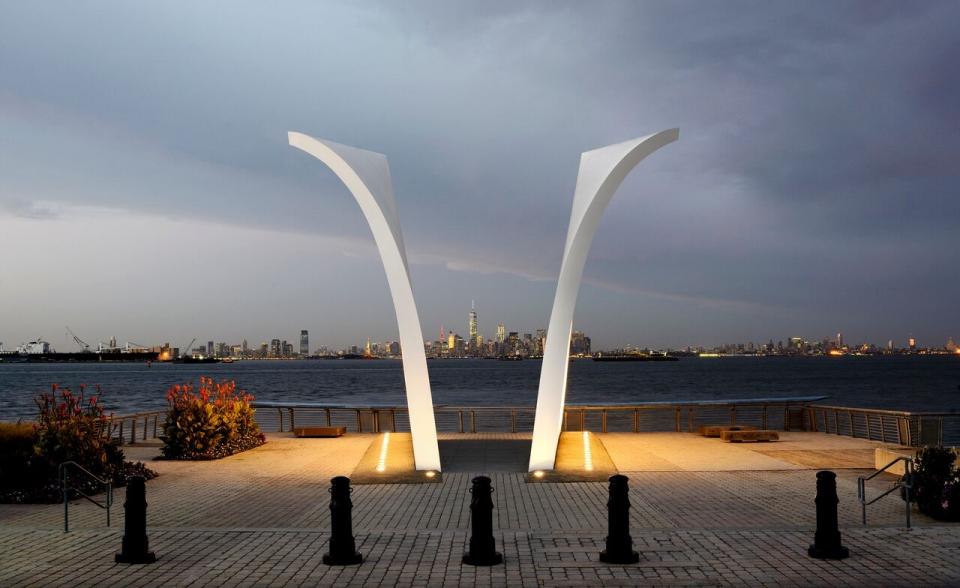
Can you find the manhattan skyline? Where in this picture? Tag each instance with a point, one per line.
(814, 190)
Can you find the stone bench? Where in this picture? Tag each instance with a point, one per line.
(754, 435)
(319, 431)
(716, 430)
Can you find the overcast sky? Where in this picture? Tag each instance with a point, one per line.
(147, 190)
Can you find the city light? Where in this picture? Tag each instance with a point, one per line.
(382, 461)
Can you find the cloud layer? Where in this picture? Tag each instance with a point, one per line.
(814, 188)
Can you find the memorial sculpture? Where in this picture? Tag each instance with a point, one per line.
(601, 173)
(367, 175)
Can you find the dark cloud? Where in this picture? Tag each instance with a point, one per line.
(814, 185)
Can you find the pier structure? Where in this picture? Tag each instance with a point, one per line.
(703, 512)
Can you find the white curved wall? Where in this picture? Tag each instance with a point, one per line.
(601, 172)
(367, 175)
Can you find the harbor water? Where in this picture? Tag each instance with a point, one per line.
(918, 383)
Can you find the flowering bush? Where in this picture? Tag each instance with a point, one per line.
(69, 427)
(211, 422)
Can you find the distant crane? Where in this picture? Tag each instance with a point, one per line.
(186, 350)
(83, 345)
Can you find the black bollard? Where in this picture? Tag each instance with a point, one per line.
(343, 547)
(135, 548)
(619, 542)
(826, 542)
(483, 548)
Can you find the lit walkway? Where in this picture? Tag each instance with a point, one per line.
(261, 518)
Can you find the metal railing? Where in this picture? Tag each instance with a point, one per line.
(799, 413)
(767, 413)
(65, 489)
(141, 426)
(912, 429)
(905, 481)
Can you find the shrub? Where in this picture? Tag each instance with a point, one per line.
(936, 487)
(69, 427)
(211, 422)
(16, 454)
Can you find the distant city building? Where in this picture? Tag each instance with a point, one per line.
(210, 348)
(579, 344)
(304, 343)
(472, 328)
(501, 330)
(275, 349)
(912, 344)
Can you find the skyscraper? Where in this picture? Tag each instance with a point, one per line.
(473, 322)
(501, 333)
(472, 328)
(304, 343)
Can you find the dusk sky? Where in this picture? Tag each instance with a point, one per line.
(147, 190)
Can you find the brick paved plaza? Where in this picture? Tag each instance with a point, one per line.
(704, 513)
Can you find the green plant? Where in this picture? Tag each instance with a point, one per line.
(69, 427)
(210, 422)
(936, 488)
(72, 427)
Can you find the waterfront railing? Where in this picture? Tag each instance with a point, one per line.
(800, 413)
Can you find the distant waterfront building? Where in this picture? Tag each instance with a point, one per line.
(912, 344)
(304, 343)
(210, 348)
(275, 349)
(579, 344)
(501, 332)
(472, 328)
(287, 349)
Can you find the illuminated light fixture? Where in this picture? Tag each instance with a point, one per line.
(538, 474)
(367, 175)
(587, 453)
(382, 460)
(601, 173)
(431, 474)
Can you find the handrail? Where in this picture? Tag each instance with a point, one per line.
(887, 411)
(65, 489)
(592, 406)
(787, 413)
(905, 482)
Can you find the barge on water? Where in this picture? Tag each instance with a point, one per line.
(88, 356)
(633, 357)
